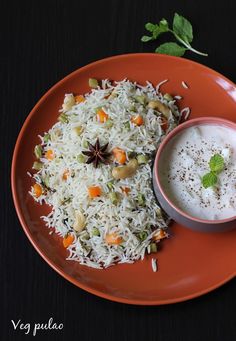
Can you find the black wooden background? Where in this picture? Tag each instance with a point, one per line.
(41, 42)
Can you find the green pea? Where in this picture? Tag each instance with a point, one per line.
(142, 159)
(95, 232)
(142, 235)
(81, 158)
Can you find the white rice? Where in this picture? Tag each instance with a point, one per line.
(154, 265)
(127, 219)
(160, 84)
(185, 85)
(178, 97)
(184, 113)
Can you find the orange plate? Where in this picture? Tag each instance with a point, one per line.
(190, 263)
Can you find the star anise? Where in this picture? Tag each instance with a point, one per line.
(97, 153)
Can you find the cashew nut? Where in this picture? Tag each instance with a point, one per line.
(69, 101)
(127, 171)
(76, 131)
(163, 108)
(79, 223)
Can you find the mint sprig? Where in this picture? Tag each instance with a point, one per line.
(182, 31)
(216, 165)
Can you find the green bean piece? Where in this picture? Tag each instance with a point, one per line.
(131, 155)
(85, 144)
(159, 213)
(46, 138)
(153, 247)
(109, 123)
(113, 196)
(63, 118)
(110, 185)
(140, 99)
(84, 235)
(132, 108)
(168, 97)
(141, 199)
(37, 165)
(142, 159)
(38, 151)
(95, 232)
(46, 181)
(81, 158)
(93, 83)
(127, 125)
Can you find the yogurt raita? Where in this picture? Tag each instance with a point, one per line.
(185, 160)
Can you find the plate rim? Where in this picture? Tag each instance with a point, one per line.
(24, 224)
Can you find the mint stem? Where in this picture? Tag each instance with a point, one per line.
(188, 46)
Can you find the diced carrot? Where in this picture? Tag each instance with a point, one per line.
(66, 174)
(164, 124)
(101, 116)
(37, 190)
(159, 235)
(50, 154)
(138, 120)
(125, 190)
(113, 239)
(79, 99)
(94, 191)
(68, 240)
(120, 155)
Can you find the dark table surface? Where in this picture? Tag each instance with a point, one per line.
(41, 42)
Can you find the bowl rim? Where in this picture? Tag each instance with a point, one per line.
(211, 120)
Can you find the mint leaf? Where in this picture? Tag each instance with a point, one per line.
(171, 49)
(209, 180)
(183, 28)
(216, 163)
(161, 28)
(144, 39)
(150, 27)
(164, 26)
